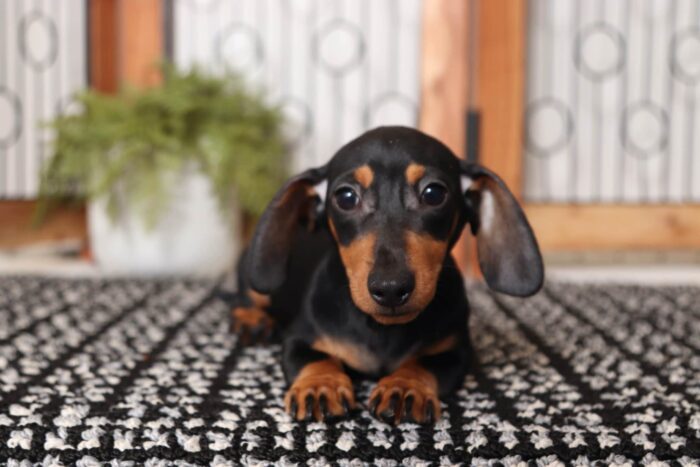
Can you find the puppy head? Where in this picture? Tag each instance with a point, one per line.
(395, 201)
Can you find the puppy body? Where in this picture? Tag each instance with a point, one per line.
(331, 324)
(361, 279)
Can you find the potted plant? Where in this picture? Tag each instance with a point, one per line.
(168, 171)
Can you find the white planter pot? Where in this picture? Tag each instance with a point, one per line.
(191, 237)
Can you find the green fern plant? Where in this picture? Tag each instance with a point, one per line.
(126, 148)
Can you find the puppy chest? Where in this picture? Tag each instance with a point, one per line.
(360, 357)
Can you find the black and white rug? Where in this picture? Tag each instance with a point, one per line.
(146, 373)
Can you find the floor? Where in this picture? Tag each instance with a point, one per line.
(644, 274)
(148, 372)
(48, 265)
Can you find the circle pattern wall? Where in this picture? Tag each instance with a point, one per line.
(43, 48)
(337, 67)
(611, 101)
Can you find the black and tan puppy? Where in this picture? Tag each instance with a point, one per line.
(352, 260)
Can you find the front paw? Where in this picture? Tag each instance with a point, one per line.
(320, 394)
(398, 399)
(252, 324)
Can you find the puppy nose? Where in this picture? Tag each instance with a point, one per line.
(391, 291)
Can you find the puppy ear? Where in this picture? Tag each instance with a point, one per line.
(297, 203)
(508, 253)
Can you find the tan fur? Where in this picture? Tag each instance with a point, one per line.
(410, 379)
(358, 259)
(250, 316)
(425, 257)
(364, 175)
(331, 227)
(259, 300)
(322, 378)
(352, 355)
(246, 320)
(414, 172)
(443, 345)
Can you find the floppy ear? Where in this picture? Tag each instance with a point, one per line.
(508, 253)
(295, 203)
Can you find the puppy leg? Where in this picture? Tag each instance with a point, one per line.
(411, 393)
(320, 388)
(251, 321)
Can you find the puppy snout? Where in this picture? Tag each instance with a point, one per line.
(391, 291)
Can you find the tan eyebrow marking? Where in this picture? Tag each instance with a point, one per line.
(364, 175)
(414, 172)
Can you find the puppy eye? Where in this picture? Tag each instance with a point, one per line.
(433, 194)
(346, 198)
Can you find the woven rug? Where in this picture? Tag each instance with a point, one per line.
(146, 373)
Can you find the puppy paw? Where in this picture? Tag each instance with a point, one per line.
(320, 392)
(400, 398)
(252, 324)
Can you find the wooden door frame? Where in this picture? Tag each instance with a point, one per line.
(500, 99)
(499, 86)
(444, 80)
(126, 43)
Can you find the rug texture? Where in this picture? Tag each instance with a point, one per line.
(146, 373)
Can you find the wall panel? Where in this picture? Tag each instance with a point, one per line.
(337, 67)
(612, 101)
(43, 48)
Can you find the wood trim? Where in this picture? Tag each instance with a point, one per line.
(16, 229)
(444, 72)
(103, 45)
(126, 43)
(501, 88)
(564, 227)
(141, 42)
(444, 80)
(500, 94)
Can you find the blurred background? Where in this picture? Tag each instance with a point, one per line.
(145, 136)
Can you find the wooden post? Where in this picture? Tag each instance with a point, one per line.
(126, 43)
(444, 80)
(141, 42)
(501, 88)
(126, 46)
(103, 46)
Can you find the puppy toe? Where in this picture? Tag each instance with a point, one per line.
(320, 396)
(407, 412)
(391, 408)
(309, 402)
(397, 400)
(253, 325)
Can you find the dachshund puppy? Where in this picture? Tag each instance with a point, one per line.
(352, 261)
